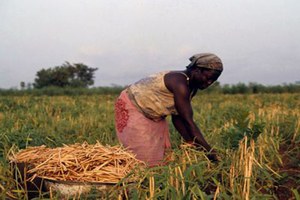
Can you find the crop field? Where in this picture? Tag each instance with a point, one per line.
(256, 135)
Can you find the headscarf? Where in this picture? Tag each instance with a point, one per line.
(206, 60)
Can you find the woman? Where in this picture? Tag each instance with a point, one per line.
(141, 109)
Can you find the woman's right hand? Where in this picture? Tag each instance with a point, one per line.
(213, 156)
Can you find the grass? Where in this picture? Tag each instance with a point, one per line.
(257, 137)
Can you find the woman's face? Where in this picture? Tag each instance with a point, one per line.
(204, 78)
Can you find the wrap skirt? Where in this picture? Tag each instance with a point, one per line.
(146, 138)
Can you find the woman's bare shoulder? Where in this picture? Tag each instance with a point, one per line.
(175, 80)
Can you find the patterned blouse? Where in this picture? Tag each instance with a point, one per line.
(152, 98)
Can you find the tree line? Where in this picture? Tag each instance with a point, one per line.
(253, 88)
(240, 88)
(77, 79)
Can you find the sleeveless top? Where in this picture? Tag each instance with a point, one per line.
(152, 98)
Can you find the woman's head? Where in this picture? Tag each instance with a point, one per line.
(206, 60)
(204, 69)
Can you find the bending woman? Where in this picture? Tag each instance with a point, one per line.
(141, 109)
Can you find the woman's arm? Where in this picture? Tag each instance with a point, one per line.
(180, 127)
(185, 122)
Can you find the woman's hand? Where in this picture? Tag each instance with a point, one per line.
(213, 156)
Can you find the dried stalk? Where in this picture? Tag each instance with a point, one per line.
(79, 162)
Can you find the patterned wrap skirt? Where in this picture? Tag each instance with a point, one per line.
(146, 138)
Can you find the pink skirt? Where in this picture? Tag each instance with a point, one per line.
(144, 137)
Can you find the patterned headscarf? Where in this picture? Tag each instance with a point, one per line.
(206, 60)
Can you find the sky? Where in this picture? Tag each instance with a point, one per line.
(257, 40)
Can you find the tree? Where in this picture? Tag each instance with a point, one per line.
(22, 84)
(66, 75)
(29, 86)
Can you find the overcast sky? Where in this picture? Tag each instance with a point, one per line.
(257, 40)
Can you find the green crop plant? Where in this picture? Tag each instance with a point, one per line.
(257, 137)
